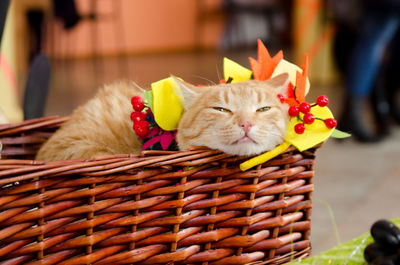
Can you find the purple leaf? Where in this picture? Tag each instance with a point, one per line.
(166, 140)
(151, 142)
(153, 131)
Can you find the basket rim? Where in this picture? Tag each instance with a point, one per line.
(23, 169)
(18, 127)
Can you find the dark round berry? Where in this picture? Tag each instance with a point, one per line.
(305, 107)
(386, 235)
(373, 251)
(299, 128)
(294, 111)
(330, 123)
(396, 258)
(137, 103)
(141, 128)
(322, 101)
(382, 260)
(308, 118)
(138, 116)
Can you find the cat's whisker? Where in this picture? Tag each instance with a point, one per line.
(206, 79)
(261, 135)
(218, 73)
(137, 85)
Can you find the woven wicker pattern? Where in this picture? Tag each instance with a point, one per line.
(193, 207)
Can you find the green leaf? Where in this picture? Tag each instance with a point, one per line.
(148, 98)
(350, 253)
(339, 134)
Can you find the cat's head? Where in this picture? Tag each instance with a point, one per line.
(244, 118)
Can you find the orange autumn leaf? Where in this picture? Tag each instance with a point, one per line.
(265, 66)
(301, 79)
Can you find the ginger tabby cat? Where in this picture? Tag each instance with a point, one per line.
(244, 118)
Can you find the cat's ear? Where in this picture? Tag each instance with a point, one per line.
(187, 92)
(279, 83)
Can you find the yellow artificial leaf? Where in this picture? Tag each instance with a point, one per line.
(237, 72)
(167, 107)
(315, 133)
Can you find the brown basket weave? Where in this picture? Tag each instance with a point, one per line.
(193, 207)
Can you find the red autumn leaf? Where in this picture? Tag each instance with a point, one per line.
(151, 142)
(265, 66)
(291, 100)
(166, 140)
(152, 132)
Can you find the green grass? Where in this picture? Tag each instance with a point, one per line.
(349, 253)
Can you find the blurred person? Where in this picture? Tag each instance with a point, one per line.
(366, 29)
(392, 81)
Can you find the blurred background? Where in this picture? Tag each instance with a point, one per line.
(55, 54)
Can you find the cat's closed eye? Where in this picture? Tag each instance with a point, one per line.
(263, 109)
(222, 109)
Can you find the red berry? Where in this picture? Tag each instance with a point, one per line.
(308, 118)
(305, 107)
(330, 123)
(294, 111)
(141, 128)
(137, 103)
(299, 128)
(281, 98)
(138, 116)
(322, 101)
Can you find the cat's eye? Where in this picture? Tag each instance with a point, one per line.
(221, 109)
(263, 109)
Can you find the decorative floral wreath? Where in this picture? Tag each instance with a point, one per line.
(156, 118)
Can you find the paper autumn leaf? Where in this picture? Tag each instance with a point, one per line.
(151, 142)
(166, 140)
(301, 79)
(291, 100)
(296, 97)
(148, 98)
(290, 68)
(265, 65)
(315, 133)
(264, 157)
(152, 132)
(167, 107)
(339, 134)
(235, 71)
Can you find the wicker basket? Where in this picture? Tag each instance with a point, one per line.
(193, 207)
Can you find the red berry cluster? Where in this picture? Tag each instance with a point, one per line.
(308, 117)
(140, 125)
(281, 98)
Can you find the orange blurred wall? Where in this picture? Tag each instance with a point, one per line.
(136, 26)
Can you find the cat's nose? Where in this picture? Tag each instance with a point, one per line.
(246, 126)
